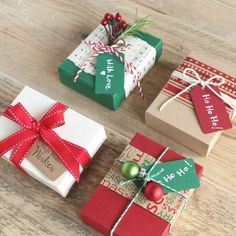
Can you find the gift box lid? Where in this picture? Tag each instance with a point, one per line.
(105, 206)
(178, 119)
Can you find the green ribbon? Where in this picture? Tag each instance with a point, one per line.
(146, 178)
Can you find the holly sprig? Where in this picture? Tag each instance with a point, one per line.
(117, 28)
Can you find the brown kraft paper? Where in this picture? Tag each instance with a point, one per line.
(46, 161)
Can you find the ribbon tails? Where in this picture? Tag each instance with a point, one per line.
(21, 141)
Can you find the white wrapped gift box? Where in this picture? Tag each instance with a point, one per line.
(77, 129)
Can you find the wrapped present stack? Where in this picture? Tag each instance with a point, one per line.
(185, 114)
(48, 140)
(111, 61)
(144, 192)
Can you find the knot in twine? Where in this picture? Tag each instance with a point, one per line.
(215, 80)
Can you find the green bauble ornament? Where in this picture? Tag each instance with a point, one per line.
(130, 169)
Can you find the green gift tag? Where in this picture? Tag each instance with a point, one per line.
(178, 175)
(110, 73)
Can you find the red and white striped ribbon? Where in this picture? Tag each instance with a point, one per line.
(100, 48)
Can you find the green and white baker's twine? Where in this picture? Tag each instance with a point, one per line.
(146, 179)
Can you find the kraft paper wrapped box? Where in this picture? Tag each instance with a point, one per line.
(178, 119)
(143, 51)
(110, 200)
(77, 130)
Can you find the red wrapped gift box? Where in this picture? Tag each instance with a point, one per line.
(105, 206)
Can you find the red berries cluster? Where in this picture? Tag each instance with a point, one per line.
(114, 26)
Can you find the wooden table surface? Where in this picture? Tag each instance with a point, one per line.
(35, 36)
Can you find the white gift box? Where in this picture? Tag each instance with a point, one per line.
(77, 129)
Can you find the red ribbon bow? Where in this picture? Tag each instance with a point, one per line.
(21, 141)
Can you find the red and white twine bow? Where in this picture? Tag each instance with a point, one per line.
(21, 141)
(117, 48)
(196, 80)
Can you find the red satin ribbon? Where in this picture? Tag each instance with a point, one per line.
(21, 141)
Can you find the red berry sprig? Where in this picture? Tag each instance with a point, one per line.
(114, 26)
(118, 17)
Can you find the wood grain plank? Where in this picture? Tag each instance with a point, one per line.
(35, 36)
(212, 16)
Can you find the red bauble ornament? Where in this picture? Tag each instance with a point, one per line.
(153, 191)
(104, 22)
(118, 17)
(123, 24)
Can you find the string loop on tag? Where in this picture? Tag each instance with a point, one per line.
(197, 80)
